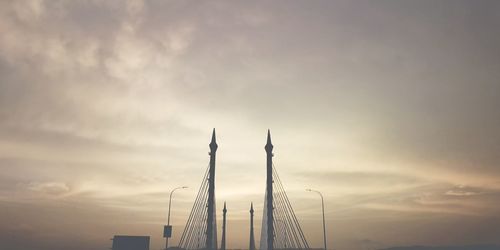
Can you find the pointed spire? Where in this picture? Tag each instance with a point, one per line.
(269, 145)
(223, 240)
(252, 240)
(211, 224)
(267, 242)
(213, 144)
(213, 135)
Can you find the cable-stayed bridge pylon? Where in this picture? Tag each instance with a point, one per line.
(200, 231)
(280, 227)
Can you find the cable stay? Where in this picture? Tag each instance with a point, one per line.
(194, 235)
(287, 231)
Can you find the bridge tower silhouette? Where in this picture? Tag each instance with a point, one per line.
(200, 231)
(280, 227)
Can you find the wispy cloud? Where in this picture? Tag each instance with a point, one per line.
(389, 108)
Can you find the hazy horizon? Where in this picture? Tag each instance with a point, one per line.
(390, 108)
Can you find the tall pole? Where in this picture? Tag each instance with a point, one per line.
(252, 240)
(269, 192)
(323, 210)
(168, 217)
(211, 242)
(223, 241)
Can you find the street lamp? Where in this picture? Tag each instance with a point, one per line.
(167, 230)
(323, 209)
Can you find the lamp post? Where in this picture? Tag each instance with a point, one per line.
(323, 209)
(167, 230)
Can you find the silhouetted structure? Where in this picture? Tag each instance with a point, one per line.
(201, 227)
(211, 222)
(252, 240)
(223, 241)
(269, 193)
(200, 231)
(286, 234)
(125, 242)
(167, 229)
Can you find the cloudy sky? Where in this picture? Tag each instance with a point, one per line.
(390, 108)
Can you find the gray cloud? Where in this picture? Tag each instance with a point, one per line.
(389, 107)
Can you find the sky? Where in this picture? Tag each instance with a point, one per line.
(389, 108)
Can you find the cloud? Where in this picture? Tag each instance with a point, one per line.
(388, 108)
(50, 188)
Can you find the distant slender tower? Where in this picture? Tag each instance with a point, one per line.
(252, 240)
(223, 241)
(211, 243)
(269, 193)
